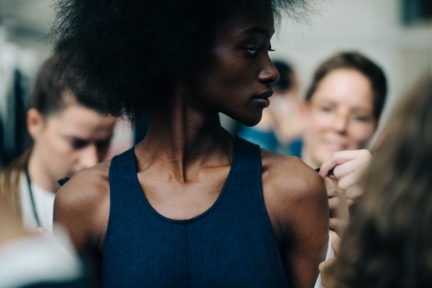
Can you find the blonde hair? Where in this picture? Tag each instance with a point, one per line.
(10, 183)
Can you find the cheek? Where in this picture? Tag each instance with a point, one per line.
(318, 122)
(59, 151)
(361, 134)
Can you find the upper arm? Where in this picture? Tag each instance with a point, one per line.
(300, 209)
(306, 233)
(80, 206)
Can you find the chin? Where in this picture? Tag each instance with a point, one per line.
(250, 120)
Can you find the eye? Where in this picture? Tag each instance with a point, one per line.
(103, 144)
(252, 50)
(361, 118)
(325, 108)
(78, 143)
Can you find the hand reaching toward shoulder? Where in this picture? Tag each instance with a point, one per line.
(349, 166)
(338, 206)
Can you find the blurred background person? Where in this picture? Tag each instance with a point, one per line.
(342, 107)
(389, 240)
(341, 112)
(67, 137)
(280, 127)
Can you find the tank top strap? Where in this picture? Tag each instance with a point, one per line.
(122, 176)
(247, 171)
(247, 155)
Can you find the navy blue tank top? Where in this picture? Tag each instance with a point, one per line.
(232, 244)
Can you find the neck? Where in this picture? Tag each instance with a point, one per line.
(39, 174)
(184, 139)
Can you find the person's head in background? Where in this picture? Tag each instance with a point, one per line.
(67, 136)
(389, 240)
(280, 123)
(284, 106)
(287, 80)
(342, 106)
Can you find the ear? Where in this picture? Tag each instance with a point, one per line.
(35, 123)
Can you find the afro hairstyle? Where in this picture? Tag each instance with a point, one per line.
(123, 55)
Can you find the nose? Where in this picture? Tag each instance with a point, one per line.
(89, 156)
(340, 123)
(269, 73)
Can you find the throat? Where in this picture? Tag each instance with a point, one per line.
(184, 145)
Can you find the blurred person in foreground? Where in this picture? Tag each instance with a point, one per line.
(67, 136)
(389, 240)
(280, 127)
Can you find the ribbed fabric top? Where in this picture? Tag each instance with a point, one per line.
(232, 244)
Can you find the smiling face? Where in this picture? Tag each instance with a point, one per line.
(237, 79)
(69, 140)
(339, 116)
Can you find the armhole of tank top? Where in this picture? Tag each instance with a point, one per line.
(108, 228)
(267, 216)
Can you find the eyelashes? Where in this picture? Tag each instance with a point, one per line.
(254, 50)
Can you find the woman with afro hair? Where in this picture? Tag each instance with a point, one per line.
(191, 205)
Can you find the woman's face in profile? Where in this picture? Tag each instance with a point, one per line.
(339, 116)
(70, 140)
(236, 80)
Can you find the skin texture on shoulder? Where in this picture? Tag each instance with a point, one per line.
(296, 201)
(82, 207)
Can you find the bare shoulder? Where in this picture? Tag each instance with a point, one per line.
(294, 193)
(296, 201)
(94, 177)
(82, 206)
(288, 176)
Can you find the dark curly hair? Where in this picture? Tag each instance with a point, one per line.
(359, 62)
(389, 240)
(124, 55)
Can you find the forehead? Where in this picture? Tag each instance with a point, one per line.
(78, 121)
(345, 86)
(245, 24)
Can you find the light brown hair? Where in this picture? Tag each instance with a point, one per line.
(389, 240)
(358, 62)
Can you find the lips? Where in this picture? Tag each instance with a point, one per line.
(336, 146)
(262, 98)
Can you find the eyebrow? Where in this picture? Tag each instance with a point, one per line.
(256, 29)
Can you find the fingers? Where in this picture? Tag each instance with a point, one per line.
(338, 225)
(361, 157)
(339, 214)
(323, 267)
(354, 193)
(338, 206)
(350, 180)
(334, 204)
(335, 242)
(332, 188)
